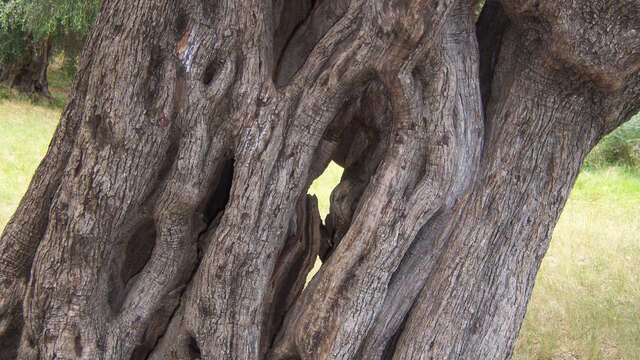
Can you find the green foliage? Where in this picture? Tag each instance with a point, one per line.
(44, 18)
(12, 32)
(621, 147)
(59, 17)
(67, 21)
(27, 22)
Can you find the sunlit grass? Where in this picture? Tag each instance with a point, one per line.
(25, 132)
(322, 188)
(323, 185)
(586, 301)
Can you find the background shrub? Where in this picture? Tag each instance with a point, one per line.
(621, 147)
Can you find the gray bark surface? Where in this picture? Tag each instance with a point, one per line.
(169, 218)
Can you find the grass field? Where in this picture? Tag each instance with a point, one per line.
(25, 131)
(586, 302)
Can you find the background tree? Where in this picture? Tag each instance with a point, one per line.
(169, 218)
(31, 31)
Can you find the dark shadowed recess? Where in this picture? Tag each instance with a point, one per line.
(355, 140)
(140, 247)
(299, 27)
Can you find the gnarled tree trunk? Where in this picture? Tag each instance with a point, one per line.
(169, 219)
(30, 74)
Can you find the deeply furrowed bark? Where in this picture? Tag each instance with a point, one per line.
(542, 118)
(169, 218)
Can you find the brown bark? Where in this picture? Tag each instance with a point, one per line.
(169, 218)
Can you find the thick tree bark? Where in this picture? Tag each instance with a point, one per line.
(30, 74)
(170, 219)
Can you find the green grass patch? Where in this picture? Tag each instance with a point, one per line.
(586, 301)
(25, 132)
(323, 186)
(58, 100)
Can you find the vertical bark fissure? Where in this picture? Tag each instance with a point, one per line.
(239, 309)
(306, 235)
(175, 250)
(297, 47)
(543, 117)
(313, 330)
(103, 185)
(359, 148)
(490, 29)
(455, 121)
(251, 233)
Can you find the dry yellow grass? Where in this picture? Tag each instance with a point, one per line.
(586, 301)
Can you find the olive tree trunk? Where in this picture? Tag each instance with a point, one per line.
(169, 218)
(29, 75)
